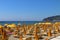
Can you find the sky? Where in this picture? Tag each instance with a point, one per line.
(28, 10)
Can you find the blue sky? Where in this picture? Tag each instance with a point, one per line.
(28, 10)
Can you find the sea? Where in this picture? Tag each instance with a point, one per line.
(16, 22)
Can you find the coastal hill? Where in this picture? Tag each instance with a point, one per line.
(52, 18)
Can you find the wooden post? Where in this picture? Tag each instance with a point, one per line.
(36, 38)
(24, 32)
(35, 35)
(57, 29)
(46, 39)
(1, 31)
(49, 33)
(20, 37)
(4, 36)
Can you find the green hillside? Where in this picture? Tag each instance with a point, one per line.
(53, 18)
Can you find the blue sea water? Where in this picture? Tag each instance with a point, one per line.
(16, 22)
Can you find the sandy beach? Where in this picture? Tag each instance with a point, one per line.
(37, 31)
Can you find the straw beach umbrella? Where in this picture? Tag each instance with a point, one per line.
(12, 25)
(1, 26)
(56, 26)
